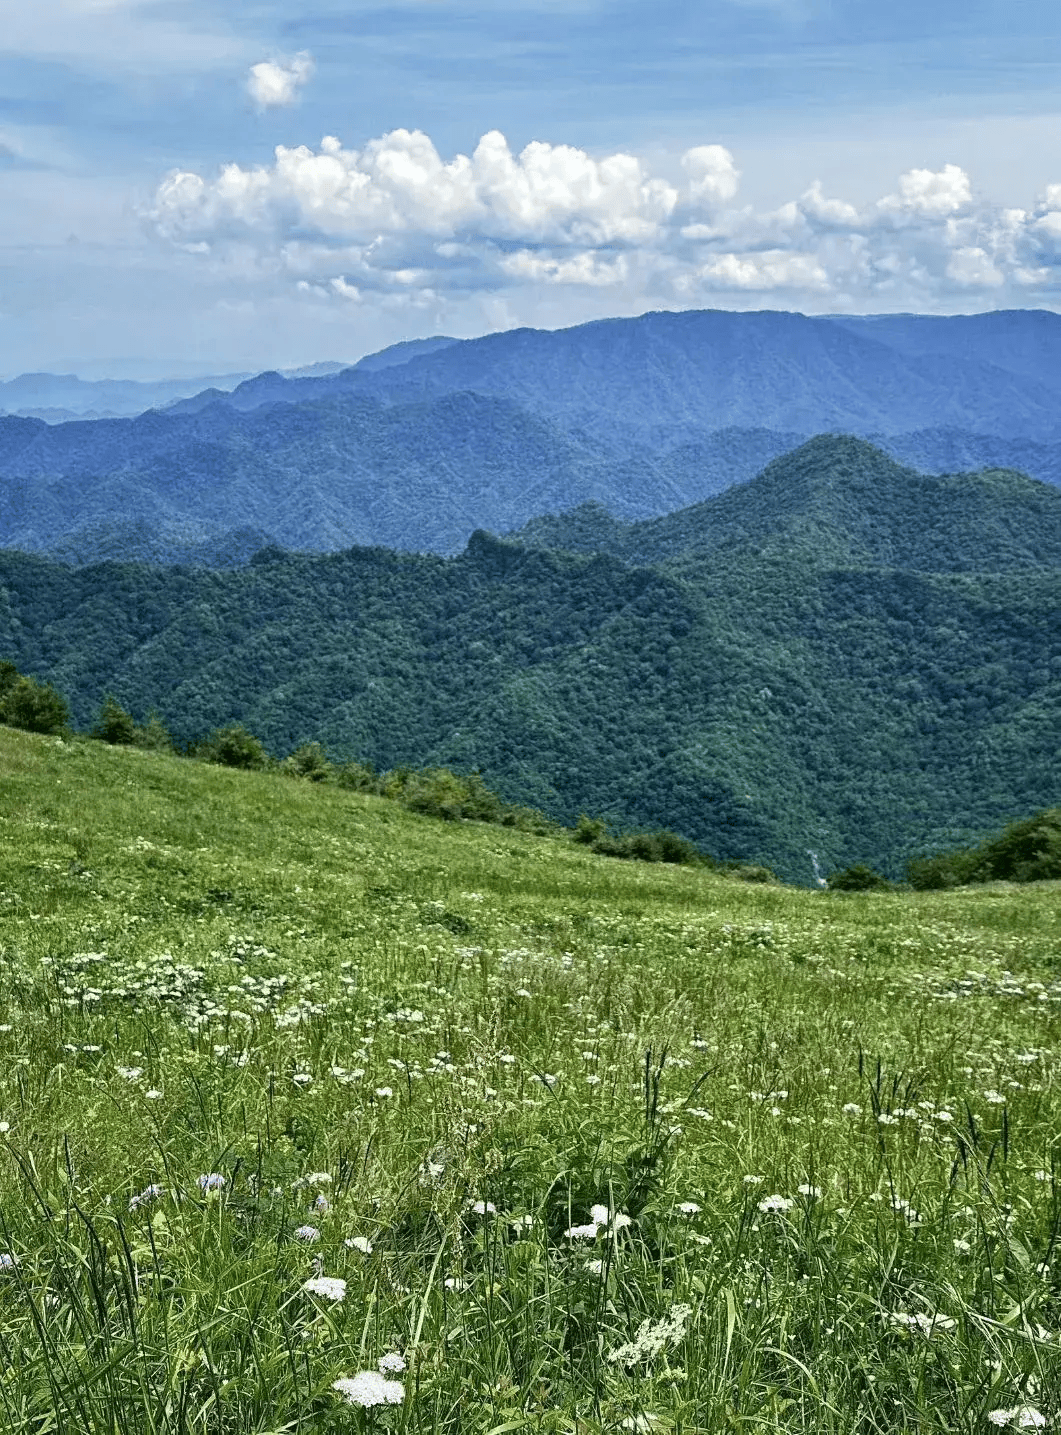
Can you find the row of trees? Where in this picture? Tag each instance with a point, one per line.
(1026, 851)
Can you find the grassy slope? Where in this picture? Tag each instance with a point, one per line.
(198, 889)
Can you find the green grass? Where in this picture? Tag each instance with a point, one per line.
(207, 971)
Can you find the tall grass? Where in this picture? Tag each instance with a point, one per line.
(594, 1146)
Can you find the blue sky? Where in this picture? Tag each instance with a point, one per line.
(797, 154)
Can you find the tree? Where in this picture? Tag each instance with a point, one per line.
(114, 724)
(233, 746)
(37, 707)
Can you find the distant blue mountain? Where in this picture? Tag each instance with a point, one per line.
(419, 445)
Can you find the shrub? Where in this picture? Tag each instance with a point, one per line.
(308, 761)
(114, 724)
(37, 707)
(592, 832)
(751, 872)
(859, 878)
(154, 735)
(233, 746)
(357, 777)
(1027, 851)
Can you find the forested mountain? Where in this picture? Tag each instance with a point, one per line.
(331, 473)
(644, 379)
(790, 672)
(417, 446)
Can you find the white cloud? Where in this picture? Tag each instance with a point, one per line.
(931, 193)
(273, 82)
(395, 224)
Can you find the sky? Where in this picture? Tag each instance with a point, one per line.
(210, 186)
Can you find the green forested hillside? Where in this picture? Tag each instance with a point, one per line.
(868, 685)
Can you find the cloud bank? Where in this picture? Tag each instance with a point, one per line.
(395, 223)
(274, 83)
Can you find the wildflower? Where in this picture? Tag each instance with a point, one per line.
(582, 1233)
(1024, 1417)
(593, 1080)
(8, 1261)
(994, 1098)
(148, 1194)
(321, 1204)
(961, 1245)
(814, 1192)
(383, 1092)
(595, 1268)
(213, 1181)
(776, 1203)
(130, 1073)
(753, 1180)
(327, 1287)
(886, 1119)
(369, 1387)
(688, 1208)
(309, 1234)
(653, 1338)
(851, 1108)
(927, 1325)
(392, 1363)
(153, 1094)
(315, 1178)
(483, 1208)
(359, 1243)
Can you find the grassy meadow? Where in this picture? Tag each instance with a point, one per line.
(298, 1087)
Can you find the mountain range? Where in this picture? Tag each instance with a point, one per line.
(842, 656)
(417, 446)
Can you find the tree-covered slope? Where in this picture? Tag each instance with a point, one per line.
(764, 696)
(842, 501)
(331, 473)
(711, 369)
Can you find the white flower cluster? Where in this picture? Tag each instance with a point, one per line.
(372, 1387)
(651, 1338)
(600, 1218)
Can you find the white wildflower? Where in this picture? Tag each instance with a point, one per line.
(383, 1092)
(851, 1108)
(212, 1181)
(776, 1203)
(753, 1180)
(327, 1287)
(994, 1098)
(392, 1363)
(651, 1338)
(483, 1208)
(148, 1194)
(309, 1234)
(814, 1192)
(369, 1387)
(1022, 1417)
(688, 1208)
(359, 1243)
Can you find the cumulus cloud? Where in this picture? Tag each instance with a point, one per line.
(394, 223)
(275, 83)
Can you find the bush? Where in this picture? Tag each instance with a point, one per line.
(232, 746)
(751, 872)
(114, 724)
(357, 777)
(859, 878)
(1027, 851)
(592, 832)
(37, 707)
(308, 761)
(154, 735)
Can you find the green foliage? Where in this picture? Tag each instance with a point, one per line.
(308, 761)
(750, 872)
(858, 878)
(1027, 851)
(114, 724)
(594, 833)
(835, 656)
(153, 735)
(232, 746)
(34, 706)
